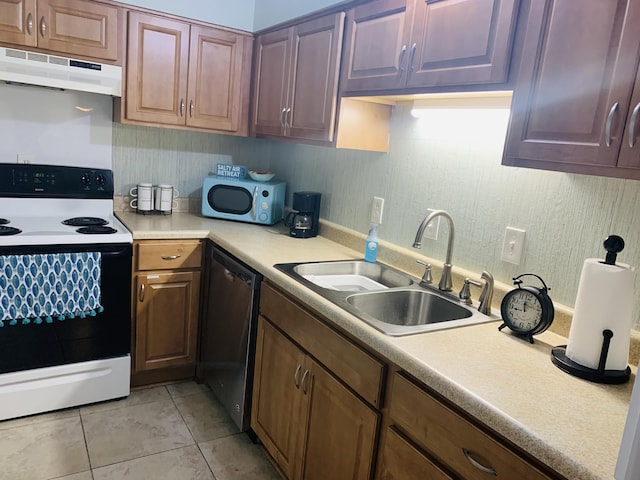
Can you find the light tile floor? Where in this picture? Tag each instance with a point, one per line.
(177, 432)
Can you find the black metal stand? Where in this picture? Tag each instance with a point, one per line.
(599, 375)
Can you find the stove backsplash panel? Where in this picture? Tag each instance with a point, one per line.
(49, 126)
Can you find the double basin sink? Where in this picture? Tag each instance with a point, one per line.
(385, 298)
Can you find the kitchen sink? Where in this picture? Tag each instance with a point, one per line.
(383, 297)
(352, 275)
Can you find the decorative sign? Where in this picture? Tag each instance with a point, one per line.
(230, 170)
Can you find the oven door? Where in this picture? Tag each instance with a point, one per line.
(105, 335)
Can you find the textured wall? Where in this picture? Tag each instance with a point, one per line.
(566, 216)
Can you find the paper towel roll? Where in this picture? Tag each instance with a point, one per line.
(604, 301)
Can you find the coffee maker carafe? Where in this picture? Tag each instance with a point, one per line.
(304, 221)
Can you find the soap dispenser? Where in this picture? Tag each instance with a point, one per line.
(371, 245)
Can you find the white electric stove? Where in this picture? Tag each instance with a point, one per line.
(61, 244)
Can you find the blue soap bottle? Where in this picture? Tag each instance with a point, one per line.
(371, 245)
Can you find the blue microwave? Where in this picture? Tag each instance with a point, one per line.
(243, 200)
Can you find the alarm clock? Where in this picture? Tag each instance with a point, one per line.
(527, 310)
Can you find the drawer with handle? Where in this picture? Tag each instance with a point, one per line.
(168, 255)
(455, 441)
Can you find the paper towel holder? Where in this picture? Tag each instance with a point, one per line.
(613, 244)
(597, 375)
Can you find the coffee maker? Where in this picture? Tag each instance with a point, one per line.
(304, 221)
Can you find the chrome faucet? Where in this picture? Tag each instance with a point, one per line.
(445, 283)
(486, 296)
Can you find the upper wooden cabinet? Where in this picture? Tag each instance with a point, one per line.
(577, 93)
(75, 27)
(296, 80)
(186, 75)
(417, 44)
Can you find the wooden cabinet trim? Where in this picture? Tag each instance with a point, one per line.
(349, 362)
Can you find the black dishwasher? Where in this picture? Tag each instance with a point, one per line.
(227, 348)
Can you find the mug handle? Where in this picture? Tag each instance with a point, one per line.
(131, 191)
(131, 203)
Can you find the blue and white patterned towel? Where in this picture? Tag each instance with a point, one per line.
(39, 287)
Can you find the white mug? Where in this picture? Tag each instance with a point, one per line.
(144, 201)
(165, 198)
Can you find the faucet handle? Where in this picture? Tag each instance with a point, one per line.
(426, 276)
(465, 291)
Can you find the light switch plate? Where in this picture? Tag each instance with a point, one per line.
(376, 210)
(513, 245)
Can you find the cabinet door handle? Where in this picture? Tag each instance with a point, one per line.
(296, 376)
(286, 118)
(182, 107)
(284, 110)
(412, 54)
(170, 257)
(302, 383)
(30, 23)
(478, 465)
(142, 292)
(403, 50)
(607, 127)
(191, 107)
(632, 126)
(43, 27)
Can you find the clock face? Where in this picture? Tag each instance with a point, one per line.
(523, 310)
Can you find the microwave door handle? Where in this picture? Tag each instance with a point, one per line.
(254, 207)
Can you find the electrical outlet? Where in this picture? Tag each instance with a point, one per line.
(376, 210)
(25, 158)
(433, 227)
(513, 245)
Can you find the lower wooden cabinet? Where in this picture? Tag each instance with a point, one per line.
(166, 298)
(312, 425)
(400, 460)
(166, 319)
(429, 429)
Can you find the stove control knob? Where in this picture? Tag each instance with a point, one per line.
(86, 179)
(100, 180)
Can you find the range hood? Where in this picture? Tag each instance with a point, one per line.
(32, 68)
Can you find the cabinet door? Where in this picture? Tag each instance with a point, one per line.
(271, 82)
(403, 461)
(574, 84)
(341, 429)
(630, 151)
(18, 22)
(216, 88)
(78, 27)
(377, 44)
(166, 319)
(276, 404)
(157, 63)
(461, 42)
(315, 61)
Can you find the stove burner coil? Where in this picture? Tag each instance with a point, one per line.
(85, 222)
(3, 221)
(9, 230)
(96, 229)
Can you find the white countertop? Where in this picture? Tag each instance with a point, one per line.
(571, 425)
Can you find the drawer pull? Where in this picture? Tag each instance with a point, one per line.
(478, 465)
(296, 379)
(170, 257)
